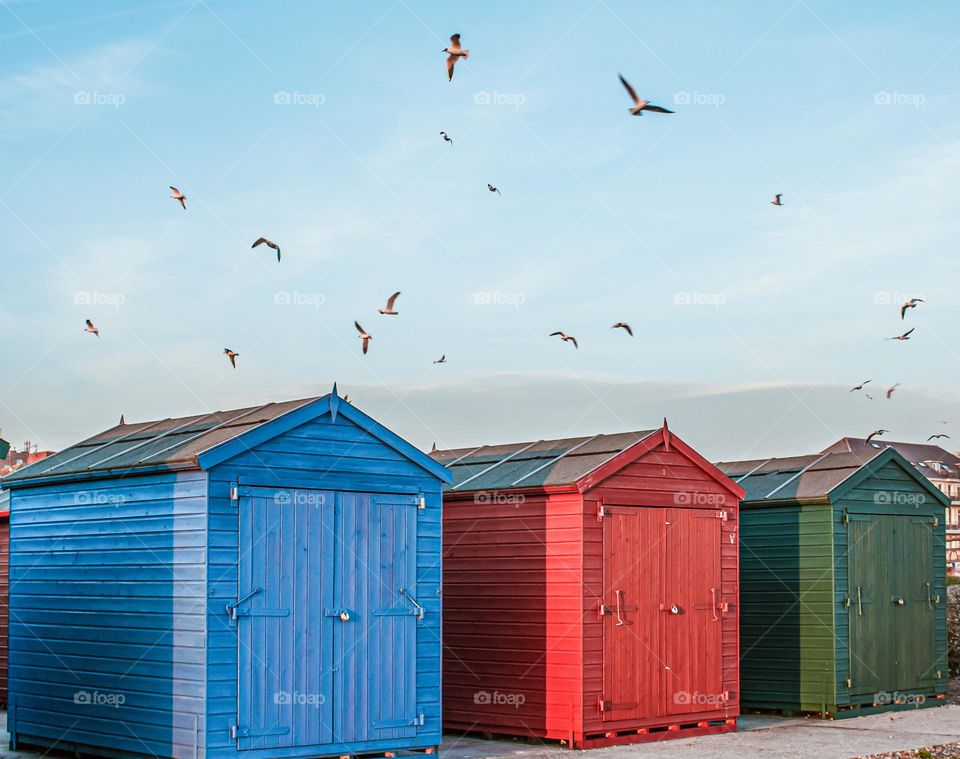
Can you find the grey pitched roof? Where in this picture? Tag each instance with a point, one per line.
(917, 454)
(161, 443)
(533, 464)
(796, 477)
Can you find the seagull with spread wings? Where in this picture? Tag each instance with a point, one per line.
(624, 326)
(388, 310)
(937, 437)
(860, 386)
(364, 336)
(493, 189)
(904, 336)
(912, 303)
(269, 244)
(566, 338)
(442, 359)
(891, 389)
(777, 199)
(446, 138)
(232, 355)
(91, 329)
(454, 51)
(177, 195)
(875, 433)
(640, 105)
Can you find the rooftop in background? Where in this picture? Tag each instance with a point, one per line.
(12, 459)
(796, 477)
(533, 464)
(932, 460)
(162, 443)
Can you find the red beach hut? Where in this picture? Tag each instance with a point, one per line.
(590, 590)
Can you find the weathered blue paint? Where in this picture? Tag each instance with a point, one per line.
(121, 639)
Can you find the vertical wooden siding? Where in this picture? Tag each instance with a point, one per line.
(106, 614)
(787, 607)
(512, 632)
(328, 456)
(666, 479)
(4, 605)
(874, 496)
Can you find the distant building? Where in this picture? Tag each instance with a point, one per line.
(938, 465)
(14, 459)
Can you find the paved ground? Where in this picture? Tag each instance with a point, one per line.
(773, 737)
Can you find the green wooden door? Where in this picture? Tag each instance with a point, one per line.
(914, 602)
(871, 643)
(892, 604)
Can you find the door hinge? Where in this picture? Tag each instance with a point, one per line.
(422, 504)
(845, 517)
(846, 602)
(939, 675)
(936, 522)
(722, 515)
(849, 682)
(245, 732)
(601, 512)
(420, 721)
(234, 493)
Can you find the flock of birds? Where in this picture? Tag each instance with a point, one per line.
(454, 53)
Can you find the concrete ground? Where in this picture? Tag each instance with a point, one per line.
(773, 737)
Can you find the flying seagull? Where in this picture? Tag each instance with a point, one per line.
(91, 329)
(493, 189)
(177, 195)
(442, 359)
(388, 309)
(364, 336)
(777, 199)
(641, 104)
(875, 433)
(454, 52)
(232, 355)
(868, 396)
(860, 386)
(446, 138)
(937, 437)
(624, 326)
(565, 338)
(912, 303)
(269, 244)
(891, 389)
(904, 336)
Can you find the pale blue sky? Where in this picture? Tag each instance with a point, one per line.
(316, 124)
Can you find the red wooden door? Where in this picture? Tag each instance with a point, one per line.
(631, 574)
(691, 619)
(662, 642)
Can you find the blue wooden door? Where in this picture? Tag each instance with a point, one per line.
(285, 642)
(375, 690)
(326, 618)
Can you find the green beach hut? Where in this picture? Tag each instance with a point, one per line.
(842, 584)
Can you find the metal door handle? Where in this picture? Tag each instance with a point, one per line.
(713, 595)
(620, 619)
(420, 609)
(232, 608)
(898, 601)
(859, 602)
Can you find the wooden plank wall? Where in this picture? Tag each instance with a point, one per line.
(4, 605)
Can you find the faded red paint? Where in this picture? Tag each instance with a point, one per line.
(527, 651)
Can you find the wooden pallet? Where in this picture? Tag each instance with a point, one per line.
(392, 754)
(659, 733)
(852, 710)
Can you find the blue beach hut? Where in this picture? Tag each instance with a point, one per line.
(262, 582)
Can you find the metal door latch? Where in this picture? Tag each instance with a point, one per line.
(344, 616)
(232, 608)
(420, 609)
